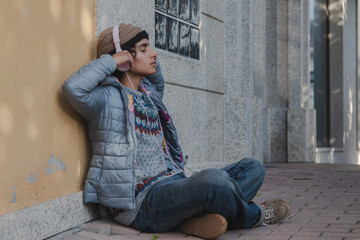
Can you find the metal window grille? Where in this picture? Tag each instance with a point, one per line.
(177, 27)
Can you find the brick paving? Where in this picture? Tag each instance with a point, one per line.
(325, 201)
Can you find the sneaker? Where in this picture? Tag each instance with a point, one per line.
(209, 226)
(275, 211)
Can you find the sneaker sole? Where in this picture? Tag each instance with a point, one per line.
(288, 209)
(209, 226)
(287, 205)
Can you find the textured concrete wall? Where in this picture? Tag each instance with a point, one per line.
(196, 100)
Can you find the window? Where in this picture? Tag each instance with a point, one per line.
(177, 27)
(319, 69)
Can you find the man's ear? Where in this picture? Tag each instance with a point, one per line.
(133, 53)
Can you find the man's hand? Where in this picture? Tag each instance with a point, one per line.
(123, 57)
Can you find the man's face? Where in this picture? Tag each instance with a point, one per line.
(145, 60)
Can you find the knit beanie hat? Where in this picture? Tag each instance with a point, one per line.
(129, 36)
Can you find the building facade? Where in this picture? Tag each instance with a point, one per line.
(273, 80)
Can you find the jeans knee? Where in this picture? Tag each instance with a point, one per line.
(213, 179)
(255, 166)
(213, 174)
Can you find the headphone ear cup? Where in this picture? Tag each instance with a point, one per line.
(123, 67)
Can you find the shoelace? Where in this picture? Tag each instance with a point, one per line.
(269, 213)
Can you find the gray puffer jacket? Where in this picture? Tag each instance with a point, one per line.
(107, 107)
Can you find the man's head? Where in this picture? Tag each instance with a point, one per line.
(129, 35)
(134, 40)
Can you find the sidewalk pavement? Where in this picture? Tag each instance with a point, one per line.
(325, 201)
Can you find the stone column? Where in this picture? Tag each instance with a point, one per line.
(301, 119)
(336, 72)
(275, 80)
(243, 110)
(259, 64)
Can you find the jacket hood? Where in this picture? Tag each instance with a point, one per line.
(110, 80)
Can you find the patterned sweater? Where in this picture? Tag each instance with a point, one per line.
(150, 167)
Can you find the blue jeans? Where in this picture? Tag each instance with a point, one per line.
(227, 191)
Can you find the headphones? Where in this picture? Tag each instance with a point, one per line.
(116, 38)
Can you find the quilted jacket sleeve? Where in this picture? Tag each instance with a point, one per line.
(157, 79)
(81, 88)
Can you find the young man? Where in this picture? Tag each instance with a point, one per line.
(137, 169)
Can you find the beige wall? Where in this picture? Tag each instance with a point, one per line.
(43, 146)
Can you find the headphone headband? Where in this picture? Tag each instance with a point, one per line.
(116, 38)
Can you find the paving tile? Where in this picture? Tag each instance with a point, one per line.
(97, 227)
(307, 234)
(322, 230)
(297, 219)
(132, 237)
(65, 234)
(285, 226)
(340, 234)
(355, 230)
(327, 219)
(74, 237)
(255, 231)
(242, 237)
(119, 229)
(315, 238)
(169, 235)
(94, 236)
(343, 226)
(230, 234)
